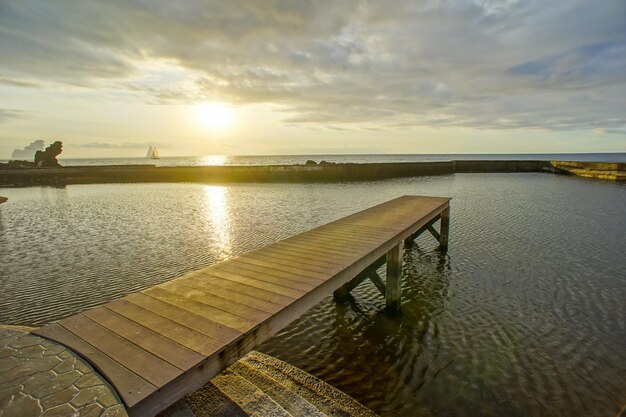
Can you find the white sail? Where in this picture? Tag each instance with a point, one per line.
(153, 153)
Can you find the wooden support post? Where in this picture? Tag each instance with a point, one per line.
(394, 276)
(378, 281)
(342, 292)
(445, 229)
(435, 234)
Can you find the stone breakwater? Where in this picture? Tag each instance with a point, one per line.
(292, 173)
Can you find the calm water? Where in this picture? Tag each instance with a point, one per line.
(356, 159)
(525, 315)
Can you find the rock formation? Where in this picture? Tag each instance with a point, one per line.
(48, 157)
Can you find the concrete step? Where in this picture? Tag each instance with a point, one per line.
(324, 397)
(260, 385)
(287, 398)
(248, 396)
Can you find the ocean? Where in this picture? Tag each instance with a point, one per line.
(355, 159)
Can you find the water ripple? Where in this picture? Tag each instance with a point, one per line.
(524, 316)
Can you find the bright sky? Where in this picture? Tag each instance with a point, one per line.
(109, 78)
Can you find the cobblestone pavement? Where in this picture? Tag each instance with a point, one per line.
(41, 378)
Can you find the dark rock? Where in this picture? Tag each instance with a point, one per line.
(48, 157)
(310, 162)
(17, 165)
(326, 163)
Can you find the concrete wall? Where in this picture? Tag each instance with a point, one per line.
(279, 173)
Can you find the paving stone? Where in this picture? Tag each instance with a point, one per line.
(66, 354)
(91, 410)
(29, 352)
(22, 406)
(12, 383)
(115, 411)
(7, 395)
(6, 365)
(108, 399)
(89, 380)
(35, 381)
(59, 383)
(89, 395)
(5, 351)
(53, 349)
(26, 367)
(41, 376)
(65, 366)
(64, 410)
(11, 336)
(82, 367)
(59, 398)
(25, 340)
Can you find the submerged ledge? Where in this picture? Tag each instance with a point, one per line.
(297, 173)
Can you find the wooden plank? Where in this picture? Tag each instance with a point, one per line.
(226, 318)
(254, 282)
(340, 256)
(349, 229)
(143, 363)
(342, 261)
(242, 310)
(201, 324)
(263, 275)
(234, 296)
(310, 261)
(328, 239)
(323, 247)
(160, 346)
(238, 287)
(352, 227)
(313, 277)
(194, 340)
(294, 262)
(333, 238)
(130, 387)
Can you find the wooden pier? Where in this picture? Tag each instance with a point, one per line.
(162, 343)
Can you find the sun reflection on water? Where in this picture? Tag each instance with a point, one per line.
(214, 160)
(216, 198)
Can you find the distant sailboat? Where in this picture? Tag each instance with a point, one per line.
(153, 153)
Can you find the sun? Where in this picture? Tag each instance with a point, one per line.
(215, 115)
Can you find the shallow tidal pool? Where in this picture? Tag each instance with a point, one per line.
(524, 316)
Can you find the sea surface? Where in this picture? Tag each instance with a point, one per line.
(524, 316)
(355, 159)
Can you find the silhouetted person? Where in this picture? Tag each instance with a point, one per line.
(48, 157)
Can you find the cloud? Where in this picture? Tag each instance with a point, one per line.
(126, 145)
(17, 82)
(489, 64)
(7, 115)
(29, 151)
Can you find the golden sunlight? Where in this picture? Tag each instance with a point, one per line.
(215, 115)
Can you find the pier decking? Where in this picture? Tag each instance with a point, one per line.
(160, 344)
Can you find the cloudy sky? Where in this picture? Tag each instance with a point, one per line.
(297, 77)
